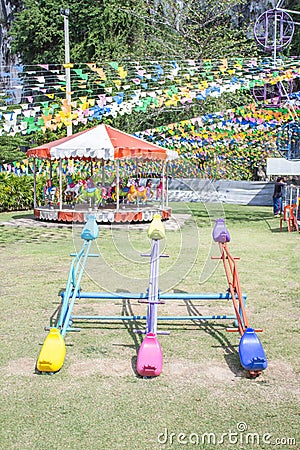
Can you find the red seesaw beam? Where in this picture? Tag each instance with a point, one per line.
(230, 266)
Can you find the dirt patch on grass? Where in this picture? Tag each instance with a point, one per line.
(79, 368)
(21, 366)
(175, 370)
(211, 371)
(280, 370)
(106, 366)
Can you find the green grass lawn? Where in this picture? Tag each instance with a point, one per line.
(203, 398)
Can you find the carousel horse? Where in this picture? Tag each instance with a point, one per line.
(123, 190)
(136, 192)
(73, 189)
(107, 193)
(91, 193)
(50, 193)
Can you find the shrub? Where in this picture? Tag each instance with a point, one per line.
(16, 192)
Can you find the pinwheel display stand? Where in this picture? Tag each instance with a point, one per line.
(103, 143)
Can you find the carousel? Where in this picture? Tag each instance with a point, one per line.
(110, 201)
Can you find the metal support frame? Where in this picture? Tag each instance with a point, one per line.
(152, 296)
(73, 287)
(34, 184)
(152, 309)
(231, 271)
(149, 359)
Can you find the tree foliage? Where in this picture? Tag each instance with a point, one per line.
(97, 29)
(134, 29)
(138, 30)
(12, 148)
(294, 48)
(122, 29)
(210, 29)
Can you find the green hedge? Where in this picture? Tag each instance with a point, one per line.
(16, 192)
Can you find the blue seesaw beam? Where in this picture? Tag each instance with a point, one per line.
(52, 354)
(108, 318)
(89, 233)
(145, 296)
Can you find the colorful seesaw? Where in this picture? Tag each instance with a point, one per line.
(150, 357)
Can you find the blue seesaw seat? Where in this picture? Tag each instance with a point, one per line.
(252, 355)
(90, 230)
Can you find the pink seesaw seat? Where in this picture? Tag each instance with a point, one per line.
(149, 360)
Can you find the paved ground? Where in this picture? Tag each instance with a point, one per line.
(174, 223)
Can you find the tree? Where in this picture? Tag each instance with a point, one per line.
(12, 148)
(122, 29)
(294, 48)
(37, 32)
(193, 28)
(98, 29)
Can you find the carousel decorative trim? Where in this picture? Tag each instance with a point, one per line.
(106, 216)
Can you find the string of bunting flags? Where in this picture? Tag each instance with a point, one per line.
(33, 98)
(227, 144)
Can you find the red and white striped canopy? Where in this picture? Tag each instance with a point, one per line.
(101, 142)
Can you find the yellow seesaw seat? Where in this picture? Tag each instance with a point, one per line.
(156, 228)
(53, 352)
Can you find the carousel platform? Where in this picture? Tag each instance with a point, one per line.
(107, 214)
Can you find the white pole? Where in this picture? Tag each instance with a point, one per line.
(34, 183)
(118, 184)
(103, 172)
(163, 186)
(60, 184)
(65, 13)
(291, 195)
(275, 40)
(167, 186)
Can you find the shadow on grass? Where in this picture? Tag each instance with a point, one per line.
(23, 216)
(132, 326)
(242, 214)
(218, 332)
(274, 225)
(135, 329)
